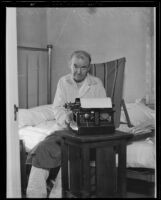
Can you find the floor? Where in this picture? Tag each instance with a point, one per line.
(135, 189)
(140, 189)
(129, 195)
(135, 195)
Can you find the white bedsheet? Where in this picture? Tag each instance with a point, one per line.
(140, 153)
(32, 135)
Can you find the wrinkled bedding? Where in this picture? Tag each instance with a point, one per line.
(32, 135)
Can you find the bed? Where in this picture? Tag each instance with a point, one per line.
(37, 121)
(141, 150)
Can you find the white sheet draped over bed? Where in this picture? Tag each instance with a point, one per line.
(32, 135)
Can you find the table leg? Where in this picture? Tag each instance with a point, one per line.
(75, 169)
(105, 172)
(121, 169)
(85, 158)
(64, 168)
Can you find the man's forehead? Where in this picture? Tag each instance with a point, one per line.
(80, 59)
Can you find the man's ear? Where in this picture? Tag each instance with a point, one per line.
(89, 67)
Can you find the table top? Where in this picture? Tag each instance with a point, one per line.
(70, 135)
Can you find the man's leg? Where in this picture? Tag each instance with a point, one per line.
(56, 191)
(37, 183)
(44, 156)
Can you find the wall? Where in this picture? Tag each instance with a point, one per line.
(31, 27)
(107, 33)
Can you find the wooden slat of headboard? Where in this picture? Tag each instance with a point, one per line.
(118, 91)
(105, 76)
(111, 67)
(33, 80)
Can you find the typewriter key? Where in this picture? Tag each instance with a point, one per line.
(86, 116)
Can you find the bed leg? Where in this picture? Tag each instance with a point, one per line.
(23, 168)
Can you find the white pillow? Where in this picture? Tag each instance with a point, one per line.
(138, 114)
(36, 115)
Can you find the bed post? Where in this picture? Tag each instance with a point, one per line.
(23, 167)
(49, 47)
(27, 69)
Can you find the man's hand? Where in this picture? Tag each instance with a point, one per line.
(69, 117)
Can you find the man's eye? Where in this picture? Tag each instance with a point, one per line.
(84, 67)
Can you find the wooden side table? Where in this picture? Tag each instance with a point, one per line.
(110, 178)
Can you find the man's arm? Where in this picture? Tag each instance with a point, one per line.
(62, 116)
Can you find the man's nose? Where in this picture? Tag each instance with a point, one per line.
(79, 70)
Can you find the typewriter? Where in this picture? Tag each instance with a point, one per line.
(92, 120)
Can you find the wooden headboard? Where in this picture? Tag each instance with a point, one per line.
(112, 75)
(34, 76)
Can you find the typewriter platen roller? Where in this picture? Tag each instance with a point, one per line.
(92, 120)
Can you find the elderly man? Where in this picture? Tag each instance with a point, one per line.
(47, 154)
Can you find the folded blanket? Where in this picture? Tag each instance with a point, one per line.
(144, 127)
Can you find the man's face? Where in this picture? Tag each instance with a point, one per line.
(79, 68)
